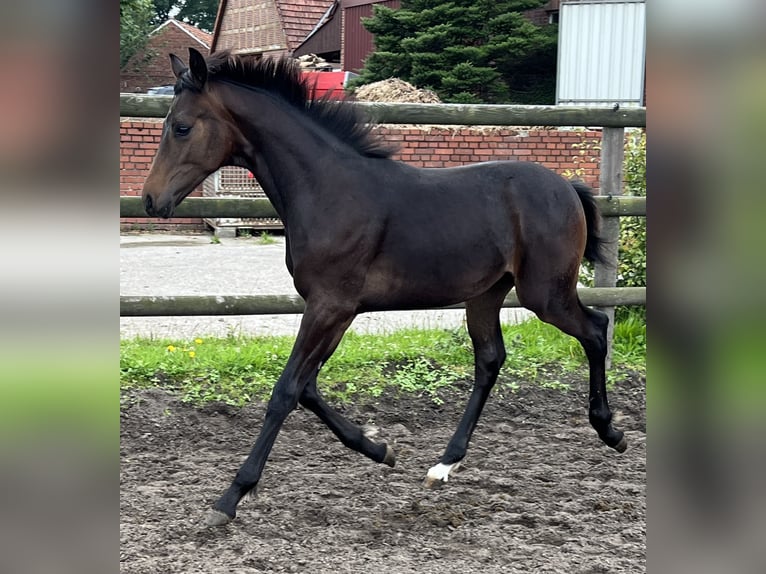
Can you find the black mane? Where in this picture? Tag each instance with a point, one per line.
(283, 77)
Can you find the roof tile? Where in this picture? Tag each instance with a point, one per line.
(299, 17)
(202, 36)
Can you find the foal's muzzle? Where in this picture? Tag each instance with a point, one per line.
(153, 211)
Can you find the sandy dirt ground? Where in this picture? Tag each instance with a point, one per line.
(537, 493)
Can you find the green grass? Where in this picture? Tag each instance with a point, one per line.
(238, 369)
(265, 238)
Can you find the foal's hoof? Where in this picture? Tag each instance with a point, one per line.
(615, 439)
(439, 474)
(217, 518)
(390, 458)
(432, 483)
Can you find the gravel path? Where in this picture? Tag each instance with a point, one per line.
(161, 264)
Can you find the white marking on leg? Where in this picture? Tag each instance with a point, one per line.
(441, 471)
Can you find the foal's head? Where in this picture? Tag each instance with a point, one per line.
(200, 133)
(197, 139)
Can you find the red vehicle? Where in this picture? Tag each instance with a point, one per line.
(325, 82)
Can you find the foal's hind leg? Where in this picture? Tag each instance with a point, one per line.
(589, 327)
(483, 318)
(563, 309)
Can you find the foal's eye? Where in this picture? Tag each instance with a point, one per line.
(182, 130)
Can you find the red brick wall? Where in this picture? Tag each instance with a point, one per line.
(446, 147)
(567, 152)
(139, 138)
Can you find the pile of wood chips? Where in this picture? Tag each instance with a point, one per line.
(394, 90)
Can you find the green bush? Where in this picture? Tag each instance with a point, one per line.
(631, 267)
(631, 271)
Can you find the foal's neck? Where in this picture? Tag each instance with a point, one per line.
(287, 152)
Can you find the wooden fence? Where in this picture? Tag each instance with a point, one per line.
(145, 106)
(611, 202)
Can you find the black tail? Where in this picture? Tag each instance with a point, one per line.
(594, 244)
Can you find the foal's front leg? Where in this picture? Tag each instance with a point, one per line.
(349, 434)
(321, 329)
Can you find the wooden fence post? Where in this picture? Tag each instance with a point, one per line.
(610, 184)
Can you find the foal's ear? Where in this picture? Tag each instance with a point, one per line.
(177, 65)
(198, 68)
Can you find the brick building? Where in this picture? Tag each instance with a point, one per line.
(330, 28)
(150, 67)
(548, 13)
(277, 27)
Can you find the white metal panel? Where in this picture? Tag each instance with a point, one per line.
(602, 53)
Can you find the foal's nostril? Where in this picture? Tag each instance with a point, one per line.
(165, 212)
(148, 204)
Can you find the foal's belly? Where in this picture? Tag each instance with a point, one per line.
(419, 284)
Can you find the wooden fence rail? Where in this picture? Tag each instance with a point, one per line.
(189, 305)
(131, 206)
(146, 106)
